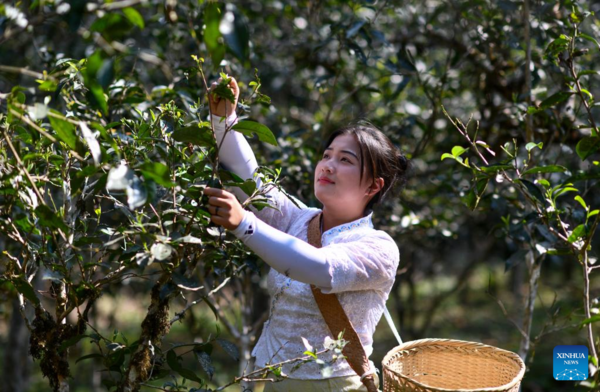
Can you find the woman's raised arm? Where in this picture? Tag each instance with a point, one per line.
(237, 156)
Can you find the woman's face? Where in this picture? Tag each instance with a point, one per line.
(337, 176)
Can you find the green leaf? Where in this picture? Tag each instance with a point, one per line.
(446, 155)
(224, 91)
(64, 130)
(545, 169)
(475, 193)
(458, 151)
(25, 288)
(515, 259)
(93, 64)
(249, 187)
(589, 38)
(580, 231)
(544, 183)
(134, 17)
(112, 26)
(96, 96)
(555, 99)
(275, 370)
(212, 20)
(95, 355)
(310, 354)
(557, 46)
(592, 213)
(531, 145)
(98, 72)
(564, 190)
(559, 251)
(581, 201)
(157, 172)
(195, 135)
(588, 94)
(205, 362)
(172, 360)
(50, 219)
(47, 85)
(249, 127)
(71, 342)
(492, 169)
(174, 364)
(229, 348)
(533, 189)
(587, 146)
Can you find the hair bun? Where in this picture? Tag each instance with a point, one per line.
(404, 165)
(402, 162)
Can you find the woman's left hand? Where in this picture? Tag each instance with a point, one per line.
(224, 208)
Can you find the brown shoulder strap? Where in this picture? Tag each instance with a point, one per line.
(337, 320)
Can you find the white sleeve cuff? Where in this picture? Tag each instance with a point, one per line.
(246, 227)
(221, 124)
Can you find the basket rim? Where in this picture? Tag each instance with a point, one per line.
(420, 342)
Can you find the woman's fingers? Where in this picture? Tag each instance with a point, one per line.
(234, 87)
(219, 197)
(208, 191)
(224, 208)
(222, 107)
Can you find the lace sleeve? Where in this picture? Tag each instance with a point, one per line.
(369, 263)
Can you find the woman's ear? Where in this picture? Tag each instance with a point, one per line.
(376, 186)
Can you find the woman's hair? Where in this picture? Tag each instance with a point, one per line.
(379, 155)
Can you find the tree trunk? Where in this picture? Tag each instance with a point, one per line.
(246, 333)
(17, 362)
(535, 267)
(154, 327)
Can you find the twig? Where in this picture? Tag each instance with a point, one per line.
(230, 327)
(586, 303)
(179, 315)
(24, 71)
(571, 65)
(501, 305)
(528, 117)
(162, 231)
(267, 368)
(42, 131)
(23, 169)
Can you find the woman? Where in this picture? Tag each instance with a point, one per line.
(358, 168)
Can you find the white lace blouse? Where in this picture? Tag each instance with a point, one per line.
(362, 264)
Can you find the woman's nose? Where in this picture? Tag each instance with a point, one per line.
(327, 166)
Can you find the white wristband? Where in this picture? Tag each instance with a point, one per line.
(246, 227)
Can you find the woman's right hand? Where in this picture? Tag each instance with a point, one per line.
(220, 106)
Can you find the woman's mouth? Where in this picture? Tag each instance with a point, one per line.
(325, 181)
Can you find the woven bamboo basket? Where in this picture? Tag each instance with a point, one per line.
(451, 365)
